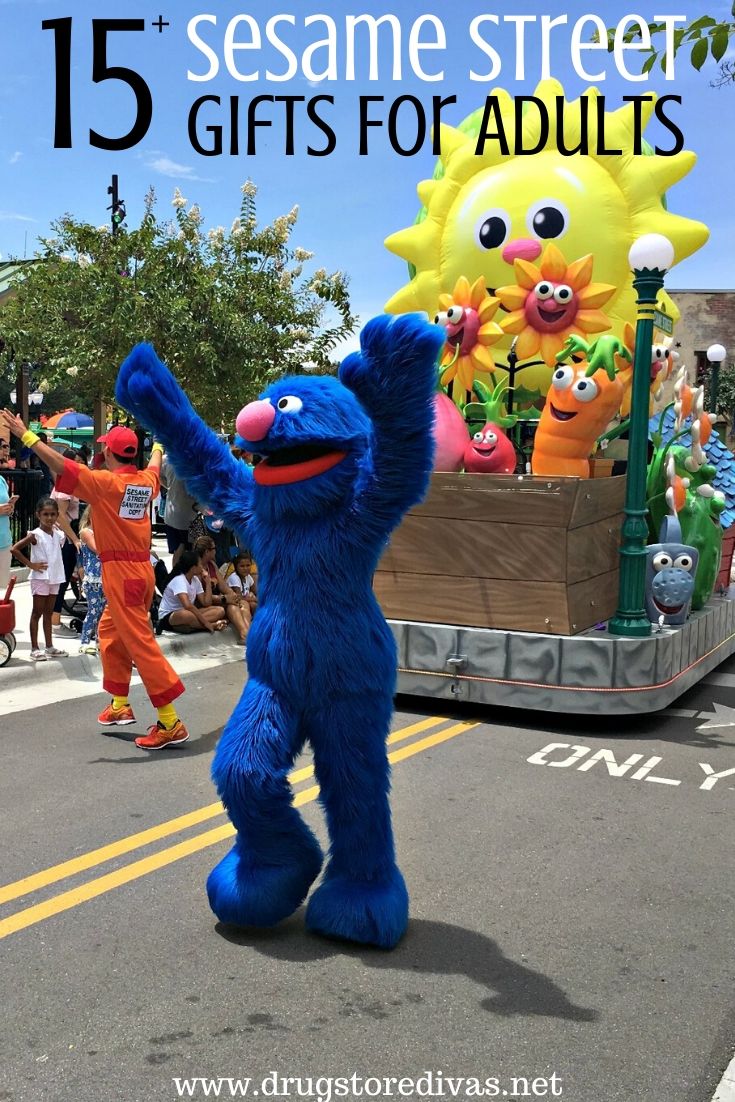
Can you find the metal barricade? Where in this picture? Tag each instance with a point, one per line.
(27, 484)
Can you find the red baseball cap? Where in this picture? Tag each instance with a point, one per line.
(120, 441)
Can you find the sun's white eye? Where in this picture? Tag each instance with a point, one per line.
(544, 290)
(563, 378)
(492, 228)
(661, 561)
(563, 294)
(547, 219)
(585, 390)
(684, 562)
(441, 319)
(490, 438)
(477, 437)
(290, 404)
(455, 314)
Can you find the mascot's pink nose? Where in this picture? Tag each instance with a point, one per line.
(254, 420)
(526, 248)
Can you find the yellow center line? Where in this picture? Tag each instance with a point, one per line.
(163, 830)
(21, 920)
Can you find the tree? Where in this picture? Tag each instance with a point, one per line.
(703, 37)
(227, 310)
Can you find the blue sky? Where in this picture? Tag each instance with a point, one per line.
(348, 203)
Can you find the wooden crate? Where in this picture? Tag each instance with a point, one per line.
(503, 551)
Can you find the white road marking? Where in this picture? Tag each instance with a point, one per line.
(721, 717)
(681, 713)
(617, 768)
(29, 694)
(725, 679)
(726, 1089)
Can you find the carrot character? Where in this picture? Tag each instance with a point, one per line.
(582, 400)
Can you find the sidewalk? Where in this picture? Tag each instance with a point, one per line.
(22, 673)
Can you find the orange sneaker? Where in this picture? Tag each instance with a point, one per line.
(116, 717)
(158, 737)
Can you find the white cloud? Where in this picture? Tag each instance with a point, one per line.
(15, 157)
(164, 166)
(11, 216)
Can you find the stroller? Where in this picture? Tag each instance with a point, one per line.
(7, 625)
(75, 603)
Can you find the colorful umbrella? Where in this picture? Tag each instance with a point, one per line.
(69, 419)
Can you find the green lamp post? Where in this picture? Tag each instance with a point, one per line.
(650, 257)
(716, 354)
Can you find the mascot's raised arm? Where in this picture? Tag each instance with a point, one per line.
(342, 460)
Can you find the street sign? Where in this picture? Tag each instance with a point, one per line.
(663, 322)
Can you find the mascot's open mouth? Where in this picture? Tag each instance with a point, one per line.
(668, 610)
(456, 338)
(296, 464)
(561, 414)
(551, 316)
(484, 449)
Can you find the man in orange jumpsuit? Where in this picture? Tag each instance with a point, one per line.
(120, 497)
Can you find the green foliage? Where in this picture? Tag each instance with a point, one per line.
(229, 311)
(703, 37)
(726, 392)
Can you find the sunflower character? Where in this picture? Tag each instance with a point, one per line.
(483, 210)
(550, 302)
(467, 315)
(583, 398)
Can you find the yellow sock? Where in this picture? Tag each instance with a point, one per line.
(119, 702)
(167, 716)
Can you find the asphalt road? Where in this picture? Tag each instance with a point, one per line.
(566, 921)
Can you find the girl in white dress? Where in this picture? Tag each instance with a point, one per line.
(47, 573)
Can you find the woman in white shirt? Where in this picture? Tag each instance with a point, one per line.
(186, 604)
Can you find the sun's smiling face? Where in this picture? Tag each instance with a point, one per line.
(500, 216)
(483, 213)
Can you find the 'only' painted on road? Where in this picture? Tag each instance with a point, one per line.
(565, 755)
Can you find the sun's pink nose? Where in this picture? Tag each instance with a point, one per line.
(525, 248)
(254, 420)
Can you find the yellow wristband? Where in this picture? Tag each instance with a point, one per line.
(28, 439)
(157, 448)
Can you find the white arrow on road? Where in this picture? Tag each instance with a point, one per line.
(721, 717)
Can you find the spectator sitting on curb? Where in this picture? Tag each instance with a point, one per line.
(222, 594)
(186, 605)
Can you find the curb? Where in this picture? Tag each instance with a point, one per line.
(87, 667)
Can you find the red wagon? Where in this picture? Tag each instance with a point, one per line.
(7, 625)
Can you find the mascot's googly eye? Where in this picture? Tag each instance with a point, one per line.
(290, 404)
(585, 390)
(455, 314)
(490, 438)
(563, 378)
(684, 562)
(547, 219)
(661, 561)
(441, 319)
(658, 354)
(543, 290)
(492, 229)
(477, 437)
(563, 294)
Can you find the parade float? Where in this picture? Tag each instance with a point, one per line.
(536, 573)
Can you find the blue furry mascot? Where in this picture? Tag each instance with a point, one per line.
(342, 462)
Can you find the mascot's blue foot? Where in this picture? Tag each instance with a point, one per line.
(371, 912)
(244, 892)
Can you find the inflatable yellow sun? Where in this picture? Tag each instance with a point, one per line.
(550, 302)
(467, 316)
(484, 211)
